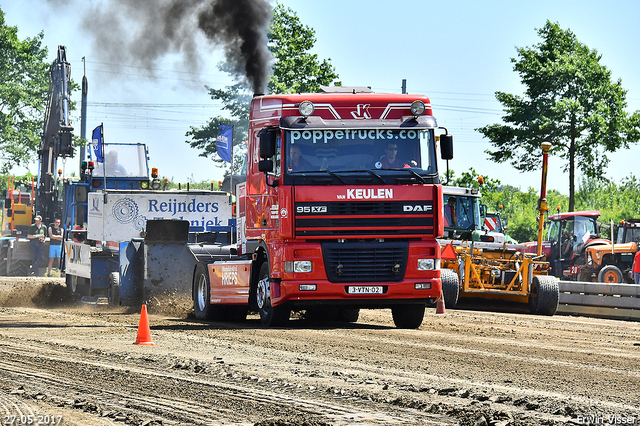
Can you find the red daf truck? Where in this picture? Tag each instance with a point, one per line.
(340, 210)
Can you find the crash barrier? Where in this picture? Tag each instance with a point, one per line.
(620, 301)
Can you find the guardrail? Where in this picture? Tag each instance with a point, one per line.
(620, 301)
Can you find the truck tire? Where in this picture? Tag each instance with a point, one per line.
(610, 274)
(270, 316)
(202, 307)
(348, 314)
(3, 260)
(114, 289)
(450, 287)
(408, 316)
(544, 295)
(72, 284)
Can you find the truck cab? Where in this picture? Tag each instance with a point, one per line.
(342, 204)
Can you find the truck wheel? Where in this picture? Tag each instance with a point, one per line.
(202, 307)
(72, 284)
(544, 295)
(348, 314)
(3, 261)
(408, 316)
(114, 289)
(610, 274)
(450, 287)
(271, 316)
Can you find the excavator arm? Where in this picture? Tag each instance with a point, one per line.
(57, 137)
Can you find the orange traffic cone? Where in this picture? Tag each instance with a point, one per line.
(440, 305)
(144, 332)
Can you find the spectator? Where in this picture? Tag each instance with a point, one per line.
(55, 244)
(636, 267)
(36, 245)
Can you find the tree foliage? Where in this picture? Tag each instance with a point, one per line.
(295, 70)
(615, 201)
(471, 179)
(570, 101)
(23, 95)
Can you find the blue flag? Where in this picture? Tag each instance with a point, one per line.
(96, 142)
(224, 141)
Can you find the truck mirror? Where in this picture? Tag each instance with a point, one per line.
(446, 147)
(265, 166)
(483, 210)
(7, 203)
(9, 213)
(267, 144)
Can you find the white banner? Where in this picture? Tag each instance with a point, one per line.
(77, 259)
(124, 215)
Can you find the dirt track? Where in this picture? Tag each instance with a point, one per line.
(466, 367)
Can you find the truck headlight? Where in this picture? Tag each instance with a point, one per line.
(298, 266)
(428, 264)
(417, 108)
(306, 108)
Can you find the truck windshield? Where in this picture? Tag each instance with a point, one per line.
(359, 150)
(123, 160)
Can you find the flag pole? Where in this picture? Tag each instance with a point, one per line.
(104, 164)
(231, 164)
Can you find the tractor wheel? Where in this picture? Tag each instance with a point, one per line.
(610, 274)
(544, 295)
(450, 287)
(585, 277)
(408, 316)
(270, 316)
(19, 268)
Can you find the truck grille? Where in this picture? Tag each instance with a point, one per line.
(340, 219)
(365, 262)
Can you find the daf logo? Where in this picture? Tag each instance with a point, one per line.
(311, 209)
(416, 208)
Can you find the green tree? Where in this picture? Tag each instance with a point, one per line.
(23, 95)
(570, 101)
(471, 179)
(295, 70)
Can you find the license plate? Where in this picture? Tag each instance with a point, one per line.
(365, 289)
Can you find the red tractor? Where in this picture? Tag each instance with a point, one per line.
(576, 252)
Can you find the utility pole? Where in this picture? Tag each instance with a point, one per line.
(83, 114)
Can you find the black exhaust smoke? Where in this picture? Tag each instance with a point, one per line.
(240, 26)
(143, 32)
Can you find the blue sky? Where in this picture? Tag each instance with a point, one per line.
(457, 53)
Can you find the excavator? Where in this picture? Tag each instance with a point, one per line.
(21, 205)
